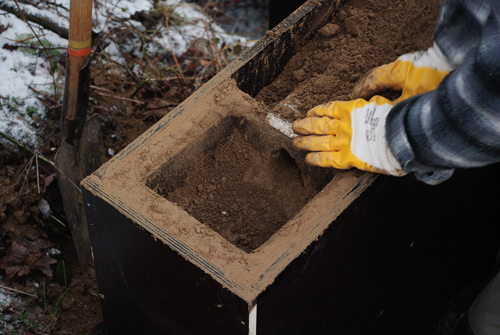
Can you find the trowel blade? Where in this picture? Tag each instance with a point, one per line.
(278, 123)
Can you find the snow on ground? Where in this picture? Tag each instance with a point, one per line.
(8, 302)
(5, 300)
(196, 26)
(22, 68)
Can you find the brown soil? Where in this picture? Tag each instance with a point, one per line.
(241, 194)
(78, 310)
(363, 35)
(123, 121)
(244, 197)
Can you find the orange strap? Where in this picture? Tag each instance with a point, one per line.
(79, 48)
(80, 53)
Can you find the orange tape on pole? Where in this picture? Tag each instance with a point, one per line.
(79, 48)
(80, 53)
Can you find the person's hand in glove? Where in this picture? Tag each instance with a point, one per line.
(345, 134)
(412, 74)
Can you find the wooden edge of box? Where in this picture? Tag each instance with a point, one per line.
(250, 273)
(265, 263)
(265, 42)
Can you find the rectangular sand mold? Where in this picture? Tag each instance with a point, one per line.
(235, 278)
(243, 179)
(345, 263)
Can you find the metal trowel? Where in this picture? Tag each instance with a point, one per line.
(291, 105)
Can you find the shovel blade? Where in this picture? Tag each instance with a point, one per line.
(68, 178)
(74, 163)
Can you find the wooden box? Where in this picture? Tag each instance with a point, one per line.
(367, 255)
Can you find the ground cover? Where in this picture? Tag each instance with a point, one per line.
(143, 65)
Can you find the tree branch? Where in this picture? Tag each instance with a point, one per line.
(45, 22)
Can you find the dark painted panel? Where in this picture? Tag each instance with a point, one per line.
(392, 262)
(280, 9)
(294, 32)
(150, 289)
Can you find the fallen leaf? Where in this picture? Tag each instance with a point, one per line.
(32, 258)
(24, 271)
(23, 255)
(37, 245)
(205, 63)
(10, 47)
(4, 28)
(10, 271)
(44, 265)
(16, 253)
(48, 180)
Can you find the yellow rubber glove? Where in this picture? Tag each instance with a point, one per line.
(345, 134)
(413, 74)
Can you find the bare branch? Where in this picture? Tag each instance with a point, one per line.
(38, 19)
(23, 17)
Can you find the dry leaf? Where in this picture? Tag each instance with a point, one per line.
(205, 63)
(22, 256)
(11, 270)
(48, 180)
(9, 47)
(44, 265)
(25, 269)
(16, 253)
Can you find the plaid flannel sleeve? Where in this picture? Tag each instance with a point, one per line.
(458, 124)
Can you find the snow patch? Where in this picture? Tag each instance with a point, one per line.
(22, 68)
(5, 300)
(44, 208)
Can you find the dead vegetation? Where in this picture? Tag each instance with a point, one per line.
(137, 78)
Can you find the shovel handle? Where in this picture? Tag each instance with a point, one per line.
(79, 48)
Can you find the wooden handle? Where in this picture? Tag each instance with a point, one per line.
(79, 48)
(80, 24)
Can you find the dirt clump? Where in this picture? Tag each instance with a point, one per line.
(244, 197)
(240, 194)
(354, 25)
(362, 36)
(329, 30)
